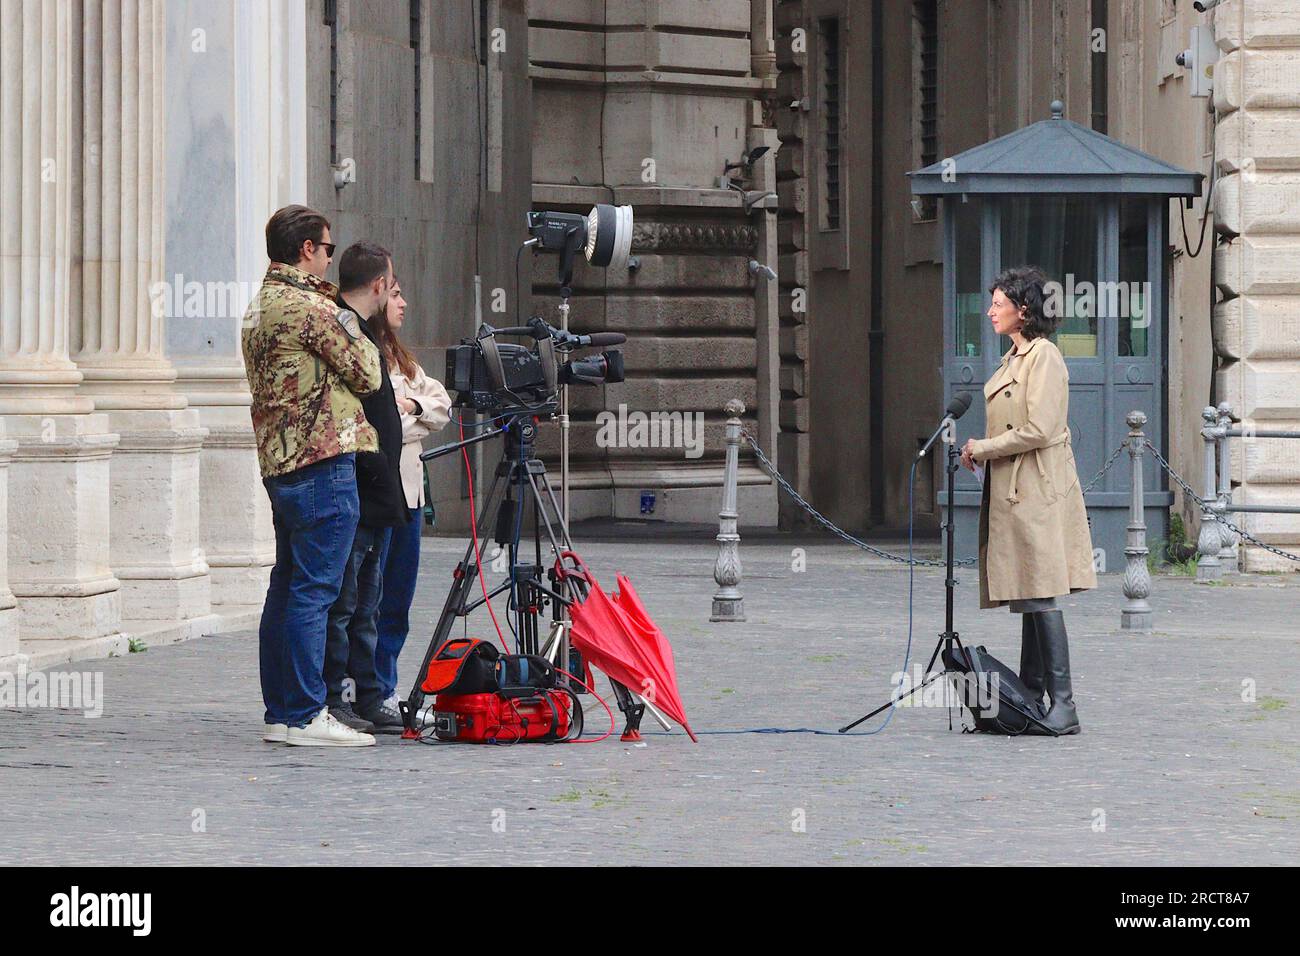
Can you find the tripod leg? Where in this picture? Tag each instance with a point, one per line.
(463, 578)
(540, 484)
(929, 679)
(632, 710)
(891, 703)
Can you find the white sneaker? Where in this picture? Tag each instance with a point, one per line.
(325, 731)
(275, 733)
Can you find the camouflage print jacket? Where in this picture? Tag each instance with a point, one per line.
(307, 364)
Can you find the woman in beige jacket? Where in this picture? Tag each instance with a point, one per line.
(424, 406)
(1035, 545)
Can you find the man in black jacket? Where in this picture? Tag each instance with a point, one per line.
(365, 281)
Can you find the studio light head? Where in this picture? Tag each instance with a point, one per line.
(604, 235)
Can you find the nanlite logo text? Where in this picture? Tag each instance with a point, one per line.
(102, 909)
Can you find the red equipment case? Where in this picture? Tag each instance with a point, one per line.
(492, 718)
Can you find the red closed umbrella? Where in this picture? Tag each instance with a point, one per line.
(615, 634)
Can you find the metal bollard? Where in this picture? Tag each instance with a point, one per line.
(729, 603)
(1227, 537)
(1208, 567)
(1136, 613)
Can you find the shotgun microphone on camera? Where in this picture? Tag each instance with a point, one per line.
(600, 339)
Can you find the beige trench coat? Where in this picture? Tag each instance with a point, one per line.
(1034, 538)
(435, 405)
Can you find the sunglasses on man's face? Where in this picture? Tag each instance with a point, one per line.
(329, 248)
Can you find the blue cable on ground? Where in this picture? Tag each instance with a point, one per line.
(907, 654)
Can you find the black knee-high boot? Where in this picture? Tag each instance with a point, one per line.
(1061, 717)
(1031, 659)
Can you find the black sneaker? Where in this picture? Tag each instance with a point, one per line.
(386, 718)
(345, 715)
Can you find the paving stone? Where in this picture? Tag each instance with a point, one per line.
(1178, 768)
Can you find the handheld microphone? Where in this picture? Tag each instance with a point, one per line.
(955, 410)
(958, 406)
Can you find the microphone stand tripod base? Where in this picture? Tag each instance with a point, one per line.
(949, 638)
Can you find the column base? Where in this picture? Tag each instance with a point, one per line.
(154, 544)
(234, 512)
(9, 656)
(59, 569)
(8, 604)
(58, 617)
(238, 585)
(166, 599)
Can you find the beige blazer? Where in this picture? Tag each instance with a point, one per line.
(1034, 537)
(435, 406)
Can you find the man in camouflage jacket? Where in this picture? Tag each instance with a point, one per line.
(307, 364)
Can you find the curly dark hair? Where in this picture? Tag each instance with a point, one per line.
(1024, 286)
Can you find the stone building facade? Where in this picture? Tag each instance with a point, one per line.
(143, 144)
(869, 91)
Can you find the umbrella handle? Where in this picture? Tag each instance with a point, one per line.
(580, 571)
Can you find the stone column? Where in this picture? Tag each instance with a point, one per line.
(57, 528)
(118, 331)
(58, 492)
(243, 97)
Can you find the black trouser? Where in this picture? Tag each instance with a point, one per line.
(352, 631)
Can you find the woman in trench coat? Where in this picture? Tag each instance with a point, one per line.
(1035, 545)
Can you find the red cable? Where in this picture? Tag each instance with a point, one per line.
(478, 561)
(608, 733)
(473, 527)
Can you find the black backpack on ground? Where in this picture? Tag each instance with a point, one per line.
(998, 700)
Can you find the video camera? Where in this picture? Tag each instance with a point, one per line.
(489, 376)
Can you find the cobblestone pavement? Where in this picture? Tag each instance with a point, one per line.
(1173, 767)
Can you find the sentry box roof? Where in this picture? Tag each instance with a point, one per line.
(1055, 155)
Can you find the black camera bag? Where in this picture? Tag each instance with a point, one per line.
(1014, 709)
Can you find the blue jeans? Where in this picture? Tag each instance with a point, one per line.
(351, 633)
(315, 512)
(401, 565)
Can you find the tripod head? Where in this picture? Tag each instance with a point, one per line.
(520, 423)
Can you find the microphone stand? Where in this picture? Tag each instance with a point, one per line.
(947, 430)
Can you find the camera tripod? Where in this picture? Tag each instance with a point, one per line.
(520, 487)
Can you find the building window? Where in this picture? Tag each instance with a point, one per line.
(925, 94)
(332, 21)
(1097, 45)
(415, 50)
(829, 32)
